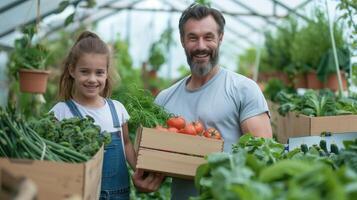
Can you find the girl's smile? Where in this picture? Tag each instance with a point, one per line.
(90, 75)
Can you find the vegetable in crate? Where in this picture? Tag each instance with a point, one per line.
(19, 140)
(260, 169)
(212, 133)
(143, 111)
(81, 135)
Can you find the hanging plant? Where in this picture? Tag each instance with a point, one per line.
(26, 54)
(28, 62)
(156, 57)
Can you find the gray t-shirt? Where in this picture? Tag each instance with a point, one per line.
(224, 102)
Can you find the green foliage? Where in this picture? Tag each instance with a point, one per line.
(246, 62)
(142, 109)
(261, 169)
(278, 46)
(157, 56)
(354, 74)
(349, 9)
(18, 139)
(123, 63)
(273, 87)
(313, 41)
(163, 193)
(27, 53)
(80, 135)
(327, 64)
(122, 55)
(158, 49)
(315, 103)
(66, 3)
(204, 2)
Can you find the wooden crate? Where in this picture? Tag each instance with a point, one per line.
(59, 180)
(294, 125)
(174, 154)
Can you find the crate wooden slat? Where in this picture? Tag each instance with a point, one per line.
(174, 154)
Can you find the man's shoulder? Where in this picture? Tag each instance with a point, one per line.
(238, 80)
(160, 98)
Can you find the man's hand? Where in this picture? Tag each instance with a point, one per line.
(149, 183)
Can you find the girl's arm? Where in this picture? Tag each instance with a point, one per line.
(129, 148)
(148, 183)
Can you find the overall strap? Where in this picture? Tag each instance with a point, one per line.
(73, 108)
(116, 122)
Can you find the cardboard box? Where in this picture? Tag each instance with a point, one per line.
(273, 110)
(174, 154)
(294, 125)
(59, 180)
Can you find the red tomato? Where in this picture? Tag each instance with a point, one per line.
(189, 129)
(176, 122)
(212, 133)
(172, 129)
(198, 127)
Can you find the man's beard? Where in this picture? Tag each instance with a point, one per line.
(202, 69)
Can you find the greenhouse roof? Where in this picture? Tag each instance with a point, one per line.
(245, 20)
(253, 14)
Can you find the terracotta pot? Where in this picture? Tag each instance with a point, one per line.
(153, 74)
(154, 91)
(33, 81)
(332, 82)
(266, 76)
(300, 81)
(283, 77)
(313, 82)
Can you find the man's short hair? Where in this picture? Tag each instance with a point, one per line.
(199, 11)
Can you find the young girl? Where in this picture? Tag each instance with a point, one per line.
(85, 86)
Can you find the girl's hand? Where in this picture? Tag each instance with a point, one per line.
(149, 182)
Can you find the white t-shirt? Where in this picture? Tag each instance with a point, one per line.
(224, 102)
(102, 116)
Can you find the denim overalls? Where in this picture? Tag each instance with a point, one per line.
(115, 176)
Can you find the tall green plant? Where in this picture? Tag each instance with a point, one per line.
(278, 46)
(349, 9)
(313, 41)
(158, 49)
(246, 62)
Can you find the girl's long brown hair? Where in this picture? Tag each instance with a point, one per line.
(87, 42)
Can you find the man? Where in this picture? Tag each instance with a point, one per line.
(219, 98)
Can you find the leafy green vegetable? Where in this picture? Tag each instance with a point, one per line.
(19, 140)
(80, 135)
(142, 109)
(315, 103)
(259, 168)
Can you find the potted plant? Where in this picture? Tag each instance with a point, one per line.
(310, 46)
(278, 54)
(156, 58)
(28, 62)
